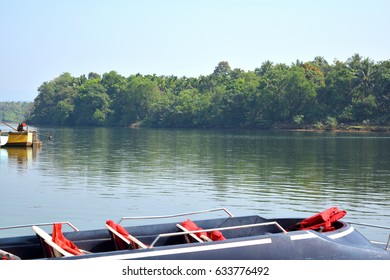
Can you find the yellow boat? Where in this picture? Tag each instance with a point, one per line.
(20, 138)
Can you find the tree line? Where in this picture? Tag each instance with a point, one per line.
(355, 91)
(14, 111)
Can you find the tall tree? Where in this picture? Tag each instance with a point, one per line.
(133, 104)
(382, 92)
(46, 109)
(337, 97)
(299, 93)
(114, 83)
(92, 106)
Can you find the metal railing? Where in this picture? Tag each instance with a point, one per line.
(162, 235)
(177, 215)
(40, 224)
(387, 245)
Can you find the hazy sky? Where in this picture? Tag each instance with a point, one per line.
(41, 39)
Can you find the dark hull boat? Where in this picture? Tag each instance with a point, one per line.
(320, 237)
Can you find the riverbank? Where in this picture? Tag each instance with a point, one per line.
(340, 128)
(292, 127)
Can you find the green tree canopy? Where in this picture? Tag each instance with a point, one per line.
(353, 91)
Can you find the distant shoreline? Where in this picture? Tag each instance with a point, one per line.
(348, 129)
(277, 127)
(291, 127)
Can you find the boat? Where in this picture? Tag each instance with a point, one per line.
(22, 136)
(323, 236)
(3, 138)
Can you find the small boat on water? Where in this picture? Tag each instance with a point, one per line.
(321, 237)
(22, 137)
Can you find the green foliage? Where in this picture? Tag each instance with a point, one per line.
(298, 119)
(331, 123)
(133, 103)
(92, 105)
(318, 126)
(314, 92)
(113, 82)
(15, 111)
(54, 104)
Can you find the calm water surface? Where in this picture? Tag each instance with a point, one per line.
(89, 175)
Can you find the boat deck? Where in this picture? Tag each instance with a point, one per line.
(157, 235)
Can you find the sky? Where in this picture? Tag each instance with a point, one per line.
(41, 39)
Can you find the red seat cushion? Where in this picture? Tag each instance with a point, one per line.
(191, 226)
(216, 235)
(323, 221)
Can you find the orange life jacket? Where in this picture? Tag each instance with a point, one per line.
(322, 221)
(121, 230)
(63, 242)
(215, 235)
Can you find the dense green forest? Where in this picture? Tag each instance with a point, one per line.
(317, 93)
(15, 111)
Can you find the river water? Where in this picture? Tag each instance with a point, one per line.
(89, 175)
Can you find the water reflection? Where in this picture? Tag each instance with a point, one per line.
(19, 156)
(297, 165)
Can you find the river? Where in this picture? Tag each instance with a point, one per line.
(89, 175)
